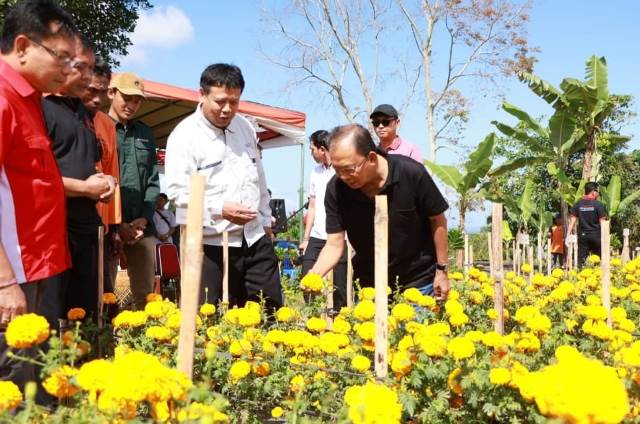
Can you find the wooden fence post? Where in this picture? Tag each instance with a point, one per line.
(470, 255)
(539, 253)
(531, 263)
(466, 253)
(605, 261)
(549, 256)
(497, 271)
(625, 245)
(100, 275)
(349, 276)
(192, 259)
(490, 252)
(381, 235)
(225, 268)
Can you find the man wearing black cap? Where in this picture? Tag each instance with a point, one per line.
(385, 121)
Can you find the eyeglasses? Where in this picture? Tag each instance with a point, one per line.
(349, 170)
(385, 122)
(63, 59)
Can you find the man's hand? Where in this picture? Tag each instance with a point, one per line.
(106, 196)
(12, 303)
(269, 232)
(238, 213)
(441, 285)
(303, 246)
(96, 186)
(116, 244)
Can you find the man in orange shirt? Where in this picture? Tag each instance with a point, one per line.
(557, 241)
(95, 98)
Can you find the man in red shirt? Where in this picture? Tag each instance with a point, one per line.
(36, 54)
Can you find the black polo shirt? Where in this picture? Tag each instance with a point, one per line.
(589, 212)
(412, 198)
(76, 149)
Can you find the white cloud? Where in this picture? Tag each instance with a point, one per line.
(163, 27)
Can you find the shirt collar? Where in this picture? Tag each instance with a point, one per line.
(204, 121)
(16, 80)
(393, 176)
(395, 144)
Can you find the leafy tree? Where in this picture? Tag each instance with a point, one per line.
(107, 23)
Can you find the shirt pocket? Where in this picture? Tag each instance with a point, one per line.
(144, 150)
(34, 154)
(212, 169)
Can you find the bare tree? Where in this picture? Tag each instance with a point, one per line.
(337, 43)
(485, 39)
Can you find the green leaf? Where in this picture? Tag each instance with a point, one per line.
(448, 174)
(514, 164)
(523, 116)
(561, 126)
(525, 204)
(628, 200)
(541, 87)
(478, 165)
(597, 76)
(510, 131)
(612, 194)
(578, 94)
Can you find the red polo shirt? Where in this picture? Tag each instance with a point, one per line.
(33, 228)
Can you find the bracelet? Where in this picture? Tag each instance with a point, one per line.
(9, 282)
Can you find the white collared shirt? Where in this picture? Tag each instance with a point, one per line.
(230, 162)
(320, 176)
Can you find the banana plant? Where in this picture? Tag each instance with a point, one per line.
(466, 183)
(611, 196)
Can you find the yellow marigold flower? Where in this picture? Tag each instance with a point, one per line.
(316, 325)
(412, 295)
(311, 283)
(493, 339)
(492, 314)
(539, 324)
(156, 309)
(240, 347)
(474, 335)
(570, 324)
(76, 314)
(58, 384)
(285, 314)
(93, 376)
(159, 333)
(365, 310)
(453, 307)
(173, 320)
(401, 363)
(109, 299)
(366, 330)
(130, 319)
(438, 329)
(500, 376)
(616, 262)
(154, 297)
(367, 293)
(526, 268)
(528, 342)
(557, 273)
(297, 383)
(593, 259)
(461, 348)
(456, 276)
(432, 345)
(277, 412)
(239, 370)
(360, 363)
(207, 309)
(341, 325)
(403, 312)
(10, 396)
(261, 369)
(453, 383)
(373, 403)
(427, 301)
(27, 330)
(459, 319)
(249, 316)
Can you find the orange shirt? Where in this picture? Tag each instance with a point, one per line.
(557, 239)
(106, 133)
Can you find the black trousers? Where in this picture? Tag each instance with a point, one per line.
(557, 259)
(310, 257)
(78, 286)
(588, 244)
(253, 272)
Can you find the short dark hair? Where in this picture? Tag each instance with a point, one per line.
(590, 187)
(87, 44)
(221, 75)
(32, 18)
(320, 139)
(164, 196)
(101, 68)
(360, 136)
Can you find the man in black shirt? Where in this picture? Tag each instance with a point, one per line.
(76, 150)
(589, 212)
(417, 225)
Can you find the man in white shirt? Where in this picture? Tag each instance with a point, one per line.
(164, 220)
(216, 142)
(315, 231)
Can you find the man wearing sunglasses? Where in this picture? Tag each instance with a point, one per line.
(385, 122)
(417, 224)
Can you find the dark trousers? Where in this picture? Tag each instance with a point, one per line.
(78, 286)
(13, 369)
(557, 259)
(314, 246)
(253, 272)
(588, 244)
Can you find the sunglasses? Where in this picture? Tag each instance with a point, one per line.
(385, 122)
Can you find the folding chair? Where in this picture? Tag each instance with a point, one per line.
(168, 271)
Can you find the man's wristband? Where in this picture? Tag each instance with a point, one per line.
(9, 282)
(442, 267)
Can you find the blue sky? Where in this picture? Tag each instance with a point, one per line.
(176, 40)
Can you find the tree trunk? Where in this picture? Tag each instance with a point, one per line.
(428, 92)
(587, 165)
(461, 217)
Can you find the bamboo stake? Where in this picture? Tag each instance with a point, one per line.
(225, 268)
(466, 254)
(575, 253)
(470, 255)
(381, 233)
(100, 275)
(497, 270)
(625, 245)
(549, 256)
(516, 256)
(531, 263)
(605, 261)
(539, 253)
(191, 276)
(349, 276)
(490, 251)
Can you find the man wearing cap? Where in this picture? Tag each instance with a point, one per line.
(385, 122)
(139, 183)
(76, 150)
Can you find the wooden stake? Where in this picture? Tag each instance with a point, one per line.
(497, 270)
(470, 255)
(490, 251)
(349, 275)
(549, 256)
(605, 261)
(625, 245)
(466, 253)
(575, 253)
(531, 263)
(516, 256)
(381, 235)
(100, 274)
(539, 253)
(183, 248)
(225, 268)
(191, 276)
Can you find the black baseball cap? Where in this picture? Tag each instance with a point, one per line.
(385, 109)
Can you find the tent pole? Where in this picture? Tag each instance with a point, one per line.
(301, 223)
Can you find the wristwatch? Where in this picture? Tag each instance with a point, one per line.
(442, 267)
